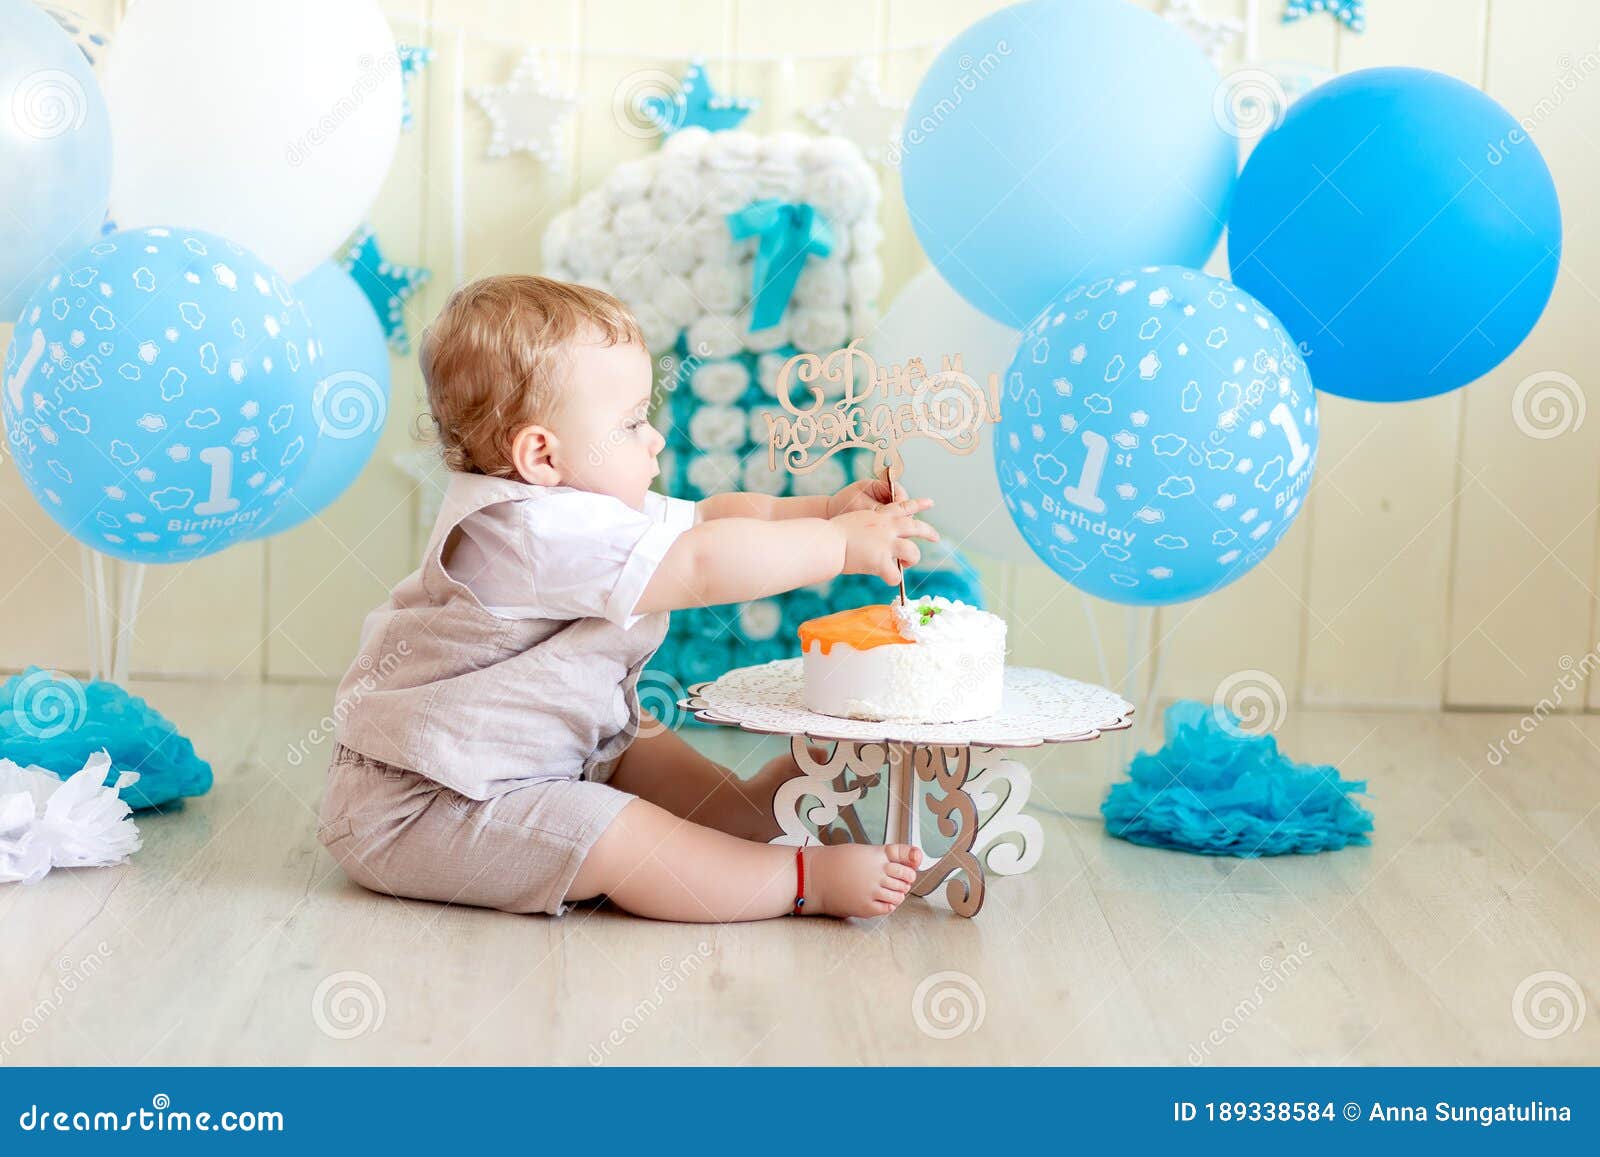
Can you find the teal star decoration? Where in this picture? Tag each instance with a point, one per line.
(413, 59)
(1351, 13)
(388, 286)
(695, 103)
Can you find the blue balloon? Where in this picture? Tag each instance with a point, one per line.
(157, 394)
(1404, 227)
(1157, 435)
(1057, 141)
(55, 151)
(351, 399)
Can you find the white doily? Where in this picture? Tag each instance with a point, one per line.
(1037, 707)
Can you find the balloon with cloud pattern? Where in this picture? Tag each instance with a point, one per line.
(1157, 435)
(157, 393)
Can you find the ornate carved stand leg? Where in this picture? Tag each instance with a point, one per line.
(836, 783)
(1001, 855)
(948, 767)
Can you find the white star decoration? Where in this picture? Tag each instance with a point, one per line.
(1214, 34)
(860, 114)
(527, 114)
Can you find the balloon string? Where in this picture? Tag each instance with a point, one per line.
(90, 613)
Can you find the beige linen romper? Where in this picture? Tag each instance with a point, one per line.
(473, 747)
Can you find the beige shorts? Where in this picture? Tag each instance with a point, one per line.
(402, 834)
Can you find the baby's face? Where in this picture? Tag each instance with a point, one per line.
(608, 444)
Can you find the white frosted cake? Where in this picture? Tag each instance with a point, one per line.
(927, 660)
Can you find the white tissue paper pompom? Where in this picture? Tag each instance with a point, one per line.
(687, 144)
(559, 272)
(722, 287)
(667, 460)
(657, 331)
(827, 477)
(765, 340)
(841, 249)
(592, 213)
(715, 472)
(717, 427)
(47, 822)
(866, 236)
(593, 254)
(768, 367)
(818, 330)
(760, 619)
(866, 279)
(716, 335)
(720, 383)
(728, 192)
(636, 277)
(629, 181)
(835, 152)
(556, 241)
(637, 228)
(678, 252)
(821, 283)
(675, 192)
(732, 151)
(841, 193)
(675, 299)
(758, 479)
(715, 244)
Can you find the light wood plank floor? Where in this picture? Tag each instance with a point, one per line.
(232, 938)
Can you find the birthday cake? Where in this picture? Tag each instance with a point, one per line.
(928, 660)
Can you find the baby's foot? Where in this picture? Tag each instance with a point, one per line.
(859, 879)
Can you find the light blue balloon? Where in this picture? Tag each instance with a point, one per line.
(157, 393)
(1157, 435)
(351, 400)
(55, 151)
(1404, 227)
(1056, 141)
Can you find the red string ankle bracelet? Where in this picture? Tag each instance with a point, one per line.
(799, 881)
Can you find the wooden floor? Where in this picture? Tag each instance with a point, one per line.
(232, 938)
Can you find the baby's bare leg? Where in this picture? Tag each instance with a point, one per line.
(653, 863)
(664, 769)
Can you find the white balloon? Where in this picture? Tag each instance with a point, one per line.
(270, 124)
(929, 320)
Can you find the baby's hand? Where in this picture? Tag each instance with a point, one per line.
(877, 541)
(869, 494)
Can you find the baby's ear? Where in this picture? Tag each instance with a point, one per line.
(533, 456)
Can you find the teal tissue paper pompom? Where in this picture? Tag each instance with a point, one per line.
(1218, 790)
(55, 722)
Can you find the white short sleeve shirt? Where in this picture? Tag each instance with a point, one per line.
(566, 553)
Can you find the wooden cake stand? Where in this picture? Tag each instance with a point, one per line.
(966, 762)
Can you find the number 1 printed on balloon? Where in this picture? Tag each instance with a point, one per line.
(1086, 491)
(220, 459)
(1299, 452)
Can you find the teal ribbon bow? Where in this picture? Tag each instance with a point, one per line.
(789, 234)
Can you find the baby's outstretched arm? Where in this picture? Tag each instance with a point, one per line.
(731, 560)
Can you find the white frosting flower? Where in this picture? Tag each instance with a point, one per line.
(716, 335)
(717, 427)
(758, 478)
(721, 382)
(722, 287)
(937, 618)
(715, 472)
(818, 330)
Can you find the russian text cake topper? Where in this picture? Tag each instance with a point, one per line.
(880, 408)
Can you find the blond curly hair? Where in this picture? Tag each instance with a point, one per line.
(494, 361)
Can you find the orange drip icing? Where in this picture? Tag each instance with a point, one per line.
(862, 628)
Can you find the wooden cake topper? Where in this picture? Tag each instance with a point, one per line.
(881, 408)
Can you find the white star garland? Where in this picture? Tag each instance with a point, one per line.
(527, 114)
(1214, 34)
(861, 115)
